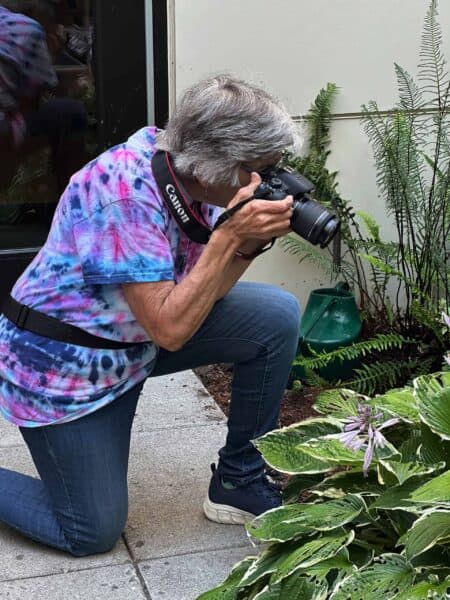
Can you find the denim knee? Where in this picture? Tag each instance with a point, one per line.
(281, 313)
(98, 537)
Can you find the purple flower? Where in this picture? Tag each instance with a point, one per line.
(446, 319)
(365, 429)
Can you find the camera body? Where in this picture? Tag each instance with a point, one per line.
(310, 220)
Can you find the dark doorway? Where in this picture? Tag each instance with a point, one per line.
(97, 49)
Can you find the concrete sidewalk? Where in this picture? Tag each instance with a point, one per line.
(169, 550)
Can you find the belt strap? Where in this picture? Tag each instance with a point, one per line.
(47, 326)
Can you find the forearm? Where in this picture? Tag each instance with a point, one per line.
(238, 266)
(188, 304)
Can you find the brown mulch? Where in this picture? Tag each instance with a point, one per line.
(296, 404)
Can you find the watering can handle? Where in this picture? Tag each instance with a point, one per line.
(320, 315)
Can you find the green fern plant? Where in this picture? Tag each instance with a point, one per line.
(403, 285)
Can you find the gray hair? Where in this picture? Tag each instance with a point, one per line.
(222, 122)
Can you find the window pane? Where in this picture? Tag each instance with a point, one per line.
(47, 119)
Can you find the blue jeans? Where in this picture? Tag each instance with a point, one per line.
(80, 502)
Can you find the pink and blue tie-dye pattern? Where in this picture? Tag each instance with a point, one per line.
(110, 227)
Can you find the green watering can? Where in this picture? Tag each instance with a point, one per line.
(331, 320)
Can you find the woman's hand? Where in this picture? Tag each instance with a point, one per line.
(258, 219)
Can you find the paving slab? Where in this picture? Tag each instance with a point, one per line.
(168, 479)
(175, 400)
(109, 583)
(21, 557)
(186, 577)
(9, 434)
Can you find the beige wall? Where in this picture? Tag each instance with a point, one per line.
(293, 48)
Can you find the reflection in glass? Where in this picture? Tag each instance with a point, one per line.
(47, 120)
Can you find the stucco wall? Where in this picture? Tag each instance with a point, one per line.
(293, 48)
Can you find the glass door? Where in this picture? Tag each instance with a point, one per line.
(72, 82)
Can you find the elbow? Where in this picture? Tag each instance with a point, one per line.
(170, 341)
(170, 345)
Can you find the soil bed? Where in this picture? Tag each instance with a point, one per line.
(296, 404)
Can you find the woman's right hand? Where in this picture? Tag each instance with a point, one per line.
(258, 219)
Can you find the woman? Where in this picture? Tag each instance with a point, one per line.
(117, 265)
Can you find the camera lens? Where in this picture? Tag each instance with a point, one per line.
(314, 222)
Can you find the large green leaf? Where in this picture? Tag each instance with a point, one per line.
(427, 589)
(404, 471)
(435, 412)
(429, 529)
(313, 552)
(282, 448)
(399, 497)
(295, 587)
(340, 484)
(230, 588)
(267, 563)
(387, 578)
(297, 484)
(339, 403)
(293, 521)
(435, 491)
(432, 448)
(398, 403)
(331, 450)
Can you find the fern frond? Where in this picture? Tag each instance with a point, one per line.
(371, 225)
(297, 247)
(319, 117)
(411, 97)
(379, 343)
(380, 375)
(313, 379)
(433, 66)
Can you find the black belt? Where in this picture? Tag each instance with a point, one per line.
(41, 324)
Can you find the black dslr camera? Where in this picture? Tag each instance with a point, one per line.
(310, 220)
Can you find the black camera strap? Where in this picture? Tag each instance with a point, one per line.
(37, 322)
(177, 200)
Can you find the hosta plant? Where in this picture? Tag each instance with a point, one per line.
(367, 506)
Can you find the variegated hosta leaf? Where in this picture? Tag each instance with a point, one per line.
(435, 491)
(409, 448)
(429, 529)
(291, 522)
(427, 589)
(295, 587)
(267, 563)
(435, 412)
(399, 497)
(432, 448)
(312, 552)
(282, 448)
(331, 450)
(297, 484)
(230, 588)
(387, 578)
(430, 384)
(404, 471)
(339, 403)
(348, 482)
(398, 403)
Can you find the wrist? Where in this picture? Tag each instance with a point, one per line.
(259, 249)
(225, 240)
(253, 244)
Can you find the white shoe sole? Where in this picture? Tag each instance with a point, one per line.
(228, 515)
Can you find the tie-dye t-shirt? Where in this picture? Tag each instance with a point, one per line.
(111, 226)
